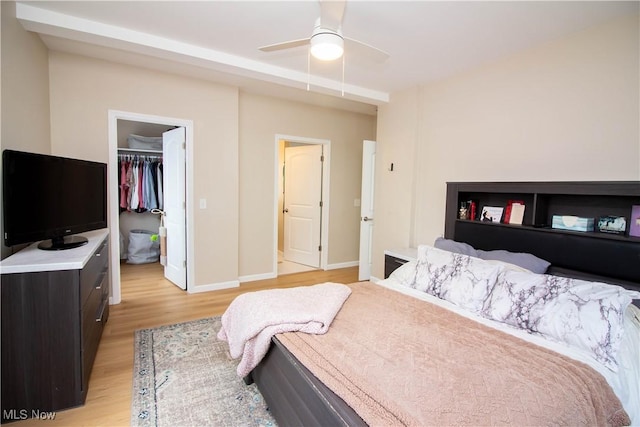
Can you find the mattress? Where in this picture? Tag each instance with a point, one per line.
(287, 384)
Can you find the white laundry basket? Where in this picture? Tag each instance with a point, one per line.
(142, 249)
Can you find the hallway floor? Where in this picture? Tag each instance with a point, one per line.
(288, 267)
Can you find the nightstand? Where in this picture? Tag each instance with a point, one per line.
(394, 258)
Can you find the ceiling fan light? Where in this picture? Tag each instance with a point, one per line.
(327, 46)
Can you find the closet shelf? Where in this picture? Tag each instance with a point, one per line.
(138, 150)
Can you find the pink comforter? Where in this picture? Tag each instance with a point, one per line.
(254, 317)
(400, 361)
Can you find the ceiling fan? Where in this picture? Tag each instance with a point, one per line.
(326, 41)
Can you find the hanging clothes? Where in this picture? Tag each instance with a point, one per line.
(159, 187)
(140, 182)
(148, 187)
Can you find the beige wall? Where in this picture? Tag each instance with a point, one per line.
(234, 154)
(24, 89)
(261, 118)
(393, 196)
(83, 90)
(568, 110)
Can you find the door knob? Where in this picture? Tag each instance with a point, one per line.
(365, 219)
(285, 210)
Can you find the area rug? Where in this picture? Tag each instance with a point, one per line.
(184, 376)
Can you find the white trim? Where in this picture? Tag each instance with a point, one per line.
(326, 172)
(213, 287)
(254, 277)
(58, 24)
(343, 265)
(114, 217)
(374, 279)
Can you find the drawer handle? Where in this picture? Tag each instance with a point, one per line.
(100, 280)
(398, 261)
(104, 306)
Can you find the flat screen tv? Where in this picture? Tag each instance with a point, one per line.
(51, 199)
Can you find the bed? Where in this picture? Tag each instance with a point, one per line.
(301, 386)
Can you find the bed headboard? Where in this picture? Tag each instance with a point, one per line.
(590, 255)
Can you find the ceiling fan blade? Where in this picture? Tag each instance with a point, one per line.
(285, 45)
(359, 48)
(331, 13)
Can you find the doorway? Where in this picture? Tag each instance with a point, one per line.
(120, 122)
(366, 209)
(301, 204)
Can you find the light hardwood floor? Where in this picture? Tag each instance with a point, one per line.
(149, 300)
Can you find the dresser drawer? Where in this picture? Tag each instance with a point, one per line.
(94, 316)
(94, 272)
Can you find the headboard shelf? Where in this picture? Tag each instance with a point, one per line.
(613, 256)
(586, 234)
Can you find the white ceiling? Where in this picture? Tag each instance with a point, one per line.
(219, 40)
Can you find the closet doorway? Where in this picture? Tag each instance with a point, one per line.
(159, 147)
(302, 204)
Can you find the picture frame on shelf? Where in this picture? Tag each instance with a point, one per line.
(491, 214)
(517, 213)
(612, 224)
(507, 210)
(634, 223)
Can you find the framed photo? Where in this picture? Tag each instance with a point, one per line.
(491, 214)
(612, 224)
(634, 226)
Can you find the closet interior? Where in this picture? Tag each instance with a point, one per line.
(140, 190)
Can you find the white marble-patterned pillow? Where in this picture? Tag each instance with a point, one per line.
(582, 314)
(405, 274)
(460, 279)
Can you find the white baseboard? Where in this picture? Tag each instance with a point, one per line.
(254, 277)
(213, 287)
(343, 265)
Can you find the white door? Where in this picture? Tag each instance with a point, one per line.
(302, 204)
(174, 192)
(366, 209)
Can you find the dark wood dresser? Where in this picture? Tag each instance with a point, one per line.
(54, 307)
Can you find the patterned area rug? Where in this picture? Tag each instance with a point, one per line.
(184, 376)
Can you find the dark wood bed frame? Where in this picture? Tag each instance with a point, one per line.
(295, 397)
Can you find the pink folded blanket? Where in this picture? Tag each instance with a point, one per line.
(254, 317)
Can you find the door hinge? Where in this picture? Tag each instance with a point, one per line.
(322, 158)
(184, 205)
(320, 248)
(320, 203)
(184, 145)
(184, 263)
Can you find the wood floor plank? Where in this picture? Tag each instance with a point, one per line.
(149, 300)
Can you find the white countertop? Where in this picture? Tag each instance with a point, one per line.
(31, 259)
(410, 254)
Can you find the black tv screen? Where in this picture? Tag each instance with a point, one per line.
(51, 198)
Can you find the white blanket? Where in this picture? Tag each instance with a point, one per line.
(254, 317)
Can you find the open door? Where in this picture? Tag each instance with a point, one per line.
(302, 204)
(366, 209)
(174, 192)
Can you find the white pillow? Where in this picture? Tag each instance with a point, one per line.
(586, 315)
(405, 274)
(460, 279)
